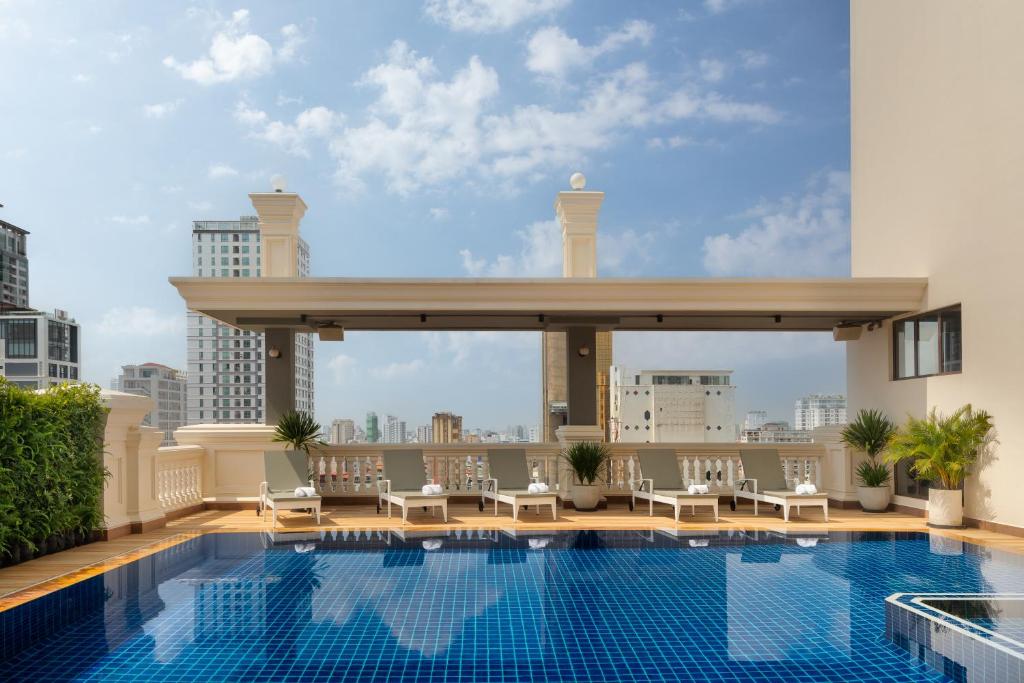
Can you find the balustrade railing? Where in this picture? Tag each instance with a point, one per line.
(179, 472)
(353, 470)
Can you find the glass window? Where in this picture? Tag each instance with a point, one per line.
(20, 336)
(927, 345)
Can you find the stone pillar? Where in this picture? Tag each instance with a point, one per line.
(143, 507)
(279, 213)
(577, 212)
(129, 452)
(279, 373)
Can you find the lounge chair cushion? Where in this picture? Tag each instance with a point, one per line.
(765, 466)
(509, 467)
(406, 470)
(683, 493)
(661, 465)
(285, 471)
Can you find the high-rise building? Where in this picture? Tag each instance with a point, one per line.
(819, 410)
(372, 428)
(342, 432)
(166, 386)
(534, 435)
(13, 267)
(40, 348)
(424, 434)
(775, 432)
(554, 390)
(651, 406)
(446, 427)
(225, 365)
(755, 419)
(394, 430)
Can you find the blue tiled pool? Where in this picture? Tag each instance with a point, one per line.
(487, 606)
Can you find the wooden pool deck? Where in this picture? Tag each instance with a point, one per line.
(37, 577)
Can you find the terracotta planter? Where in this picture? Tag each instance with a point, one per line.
(945, 508)
(874, 498)
(586, 497)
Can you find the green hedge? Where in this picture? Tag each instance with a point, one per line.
(51, 466)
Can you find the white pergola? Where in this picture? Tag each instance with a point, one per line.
(280, 304)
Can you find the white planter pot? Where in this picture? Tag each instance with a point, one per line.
(585, 497)
(945, 508)
(874, 498)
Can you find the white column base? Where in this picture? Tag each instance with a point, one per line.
(568, 434)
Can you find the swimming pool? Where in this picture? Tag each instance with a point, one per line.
(489, 606)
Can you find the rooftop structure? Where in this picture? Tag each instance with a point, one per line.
(674, 406)
(40, 349)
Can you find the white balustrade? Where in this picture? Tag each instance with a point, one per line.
(353, 470)
(179, 472)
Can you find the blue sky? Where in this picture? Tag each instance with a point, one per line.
(429, 139)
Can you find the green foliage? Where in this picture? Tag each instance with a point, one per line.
(942, 449)
(873, 473)
(870, 432)
(51, 463)
(587, 460)
(299, 430)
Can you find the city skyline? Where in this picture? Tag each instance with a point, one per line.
(725, 153)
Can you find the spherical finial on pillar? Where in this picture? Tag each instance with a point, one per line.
(577, 181)
(278, 182)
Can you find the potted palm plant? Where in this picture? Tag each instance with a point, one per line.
(870, 432)
(298, 431)
(942, 450)
(588, 460)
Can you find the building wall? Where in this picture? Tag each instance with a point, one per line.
(642, 411)
(819, 410)
(342, 432)
(223, 359)
(13, 266)
(554, 380)
(166, 386)
(937, 158)
(40, 349)
(446, 428)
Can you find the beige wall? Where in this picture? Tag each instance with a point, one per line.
(937, 174)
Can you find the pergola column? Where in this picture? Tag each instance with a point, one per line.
(279, 213)
(577, 212)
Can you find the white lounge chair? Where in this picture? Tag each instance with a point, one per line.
(404, 479)
(661, 482)
(286, 472)
(509, 482)
(764, 481)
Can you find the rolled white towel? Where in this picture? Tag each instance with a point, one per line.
(305, 492)
(700, 542)
(538, 543)
(807, 542)
(806, 489)
(538, 487)
(697, 488)
(305, 547)
(432, 544)
(432, 489)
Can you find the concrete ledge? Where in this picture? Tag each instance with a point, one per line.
(143, 527)
(994, 526)
(115, 532)
(184, 512)
(917, 512)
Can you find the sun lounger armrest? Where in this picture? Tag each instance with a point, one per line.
(264, 490)
(743, 482)
(649, 482)
(383, 487)
(492, 484)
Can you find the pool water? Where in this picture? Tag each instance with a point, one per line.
(1003, 616)
(487, 606)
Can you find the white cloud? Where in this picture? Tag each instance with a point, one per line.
(712, 70)
(284, 100)
(483, 16)
(720, 6)
(139, 321)
(464, 347)
(216, 171)
(796, 236)
(341, 367)
(236, 54)
(672, 142)
(317, 122)
(752, 59)
(540, 255)
(161, 109)
(141, 219)
(552, 53)
(94, 129)
(440, 213)
(171, 189)
(397, 370)
(200, 206)
(423, 130)
(82, 78)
